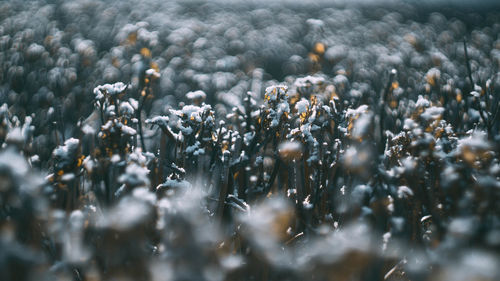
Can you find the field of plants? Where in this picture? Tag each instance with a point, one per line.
(158, 140)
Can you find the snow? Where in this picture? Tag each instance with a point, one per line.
(158, 120)
(88, 130)
(477, 141)
(362, 125)
(433, 75)
(353, 113)
(135, 175)
(422, 102)
(432, 113)
(110, 89)
(152, 72)
(70, 146)
(89, 164)
(67, 177)
(360, 192)
(336, 53)
(259, 160)
(191, 112)
(404, 191)
(302, 106)
(248, 137)
(14, 161)
(176, 183)
(35, 50)
(290, 146)
(307, 203)
(315, 23)
(129, 213)
(232, 262)
(15, 135)
(340, 80)
(290, 150)
(475, 94)
(409, 124)
(195, 149)
(115, 158)
(275, 91)
(126, 108)
(196, 95)
(128, 130)
(308, 81)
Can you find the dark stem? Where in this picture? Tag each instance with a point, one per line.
(467, 64)
(138, 116)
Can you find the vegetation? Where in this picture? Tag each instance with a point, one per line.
(167, 141)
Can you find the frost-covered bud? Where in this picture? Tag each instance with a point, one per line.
(34, 51)
(67, 155)
(274, 93)
(135, 176)
(289, 151)
(109, 89)
(197, 97)
(474, 147)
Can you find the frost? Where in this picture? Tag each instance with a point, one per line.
(35, 51)
(129, 213)
(66, 151)
(85, 48)
(433, 75)
(432, 113)
(315, 22)
(302, 106)
(340, 81)
(195, 149)
(290, 147)
(422, 102)
(362, 125)
(176, 184)
(308, 81)
(477, 141)
(273, 92)
(126, 108)
(191, 112)
(15, 136)
(475, 94)
(158, 120)
(360, 192)
(232, 262)
(298, 167)
(404, 191)
(109, 89)
(463, 226)
(153, 73)
(248, 137)
(196, 95)
(14, 162)
(135, 175)
(115, 158)
(88, 130)
(357, 111)
(68, 177)
(128, 130)
(89, 164)
(409, 124)
(267, 224)
(307, 203)
(259, 160)
(336, 53)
